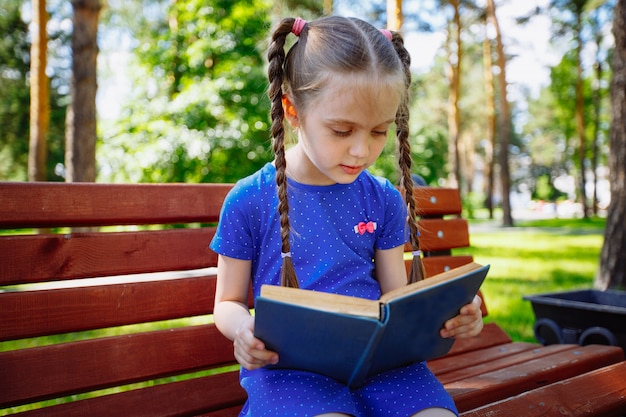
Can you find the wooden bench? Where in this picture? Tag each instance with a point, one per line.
(107, 310)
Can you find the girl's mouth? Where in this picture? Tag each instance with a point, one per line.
(351, 170)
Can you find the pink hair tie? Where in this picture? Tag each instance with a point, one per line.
(298, 25)
(387, 33)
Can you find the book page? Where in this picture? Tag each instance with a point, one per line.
(323, 301)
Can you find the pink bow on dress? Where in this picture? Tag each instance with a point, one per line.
(363, 227)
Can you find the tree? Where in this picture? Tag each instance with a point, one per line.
(505, 119)
(490, 105)
(39, 95)
(80, 151)
(455, 51)
(597, 20)
(612, 273)
(395, 16)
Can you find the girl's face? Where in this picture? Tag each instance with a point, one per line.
(343, 131)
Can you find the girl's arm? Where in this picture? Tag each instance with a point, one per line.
(391, 274)
(232, 316)
(390, 269)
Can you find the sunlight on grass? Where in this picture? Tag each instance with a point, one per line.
(534, 260)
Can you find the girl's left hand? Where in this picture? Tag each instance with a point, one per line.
(468, 323)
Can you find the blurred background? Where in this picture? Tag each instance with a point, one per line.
(510, 99)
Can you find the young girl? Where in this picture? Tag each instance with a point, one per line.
(316, 219)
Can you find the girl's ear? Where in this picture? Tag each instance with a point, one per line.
(290, 112)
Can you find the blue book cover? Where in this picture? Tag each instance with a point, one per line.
(350, 339)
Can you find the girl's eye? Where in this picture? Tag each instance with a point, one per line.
(380, 133)
(341, 132)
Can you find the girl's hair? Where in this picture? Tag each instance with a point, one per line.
(328, 47)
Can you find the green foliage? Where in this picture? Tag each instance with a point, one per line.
(545, 190)
(15, 93)
(200, 113)
(14, 90)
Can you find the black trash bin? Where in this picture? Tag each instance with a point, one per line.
(582, 316)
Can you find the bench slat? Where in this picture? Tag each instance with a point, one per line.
(601, 393)
(437, 201)
(443, 234)
(493, 386)
(479, 363)
(215, 396)
(491, 335)
(38, 258)
(478, 357)
(438, 264)
(50, 204)
(38, 313)
(53, 371)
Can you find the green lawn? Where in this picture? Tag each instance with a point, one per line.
(532, 258)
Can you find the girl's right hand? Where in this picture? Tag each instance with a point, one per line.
(250, 352)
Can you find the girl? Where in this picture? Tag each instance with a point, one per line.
(295, 222)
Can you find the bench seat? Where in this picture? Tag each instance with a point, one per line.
(106, 302)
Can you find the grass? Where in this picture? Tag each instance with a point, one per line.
(532, 258)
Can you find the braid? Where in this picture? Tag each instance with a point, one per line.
(417, 272)
(276, 58)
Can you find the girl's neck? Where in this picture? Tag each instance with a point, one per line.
(301, 170)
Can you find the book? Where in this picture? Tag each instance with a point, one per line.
(349, 338)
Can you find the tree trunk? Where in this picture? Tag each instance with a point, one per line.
(580, 115)
(490, 143)
(39, 95)
(597, 108)
(505, 120)
(612, 272)
(80, 151)
(328, 7)
(394, 15)
(454, 115)
(596, 133)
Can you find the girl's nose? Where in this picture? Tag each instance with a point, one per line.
(360, 147)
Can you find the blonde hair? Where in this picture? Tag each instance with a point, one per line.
(327, 47)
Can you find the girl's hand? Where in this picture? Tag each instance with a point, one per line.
(250, 352)
(468, 323)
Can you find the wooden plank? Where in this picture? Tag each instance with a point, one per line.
(476, 358)
(216, 395)
(226, 412)
(493, 386)
(491, 335)
(437, 264)
(443, 234)
(597, 393)
(435, 201)
(38, 313)
(47, 372)
(50, 204)
(484, 361)
(41, 258)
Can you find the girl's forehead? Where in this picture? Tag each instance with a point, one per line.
(348, 98)
(360, 88)
(363, 83)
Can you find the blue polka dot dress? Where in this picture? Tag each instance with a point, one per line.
(335, 231)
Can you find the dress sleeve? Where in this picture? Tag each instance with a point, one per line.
(233, 236)
(395, 231)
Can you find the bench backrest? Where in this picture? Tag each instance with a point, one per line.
(106, 295)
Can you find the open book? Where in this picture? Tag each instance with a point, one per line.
(349, 338)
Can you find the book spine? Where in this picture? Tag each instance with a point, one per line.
(361, 370)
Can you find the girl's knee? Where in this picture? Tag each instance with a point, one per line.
(435, 412)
